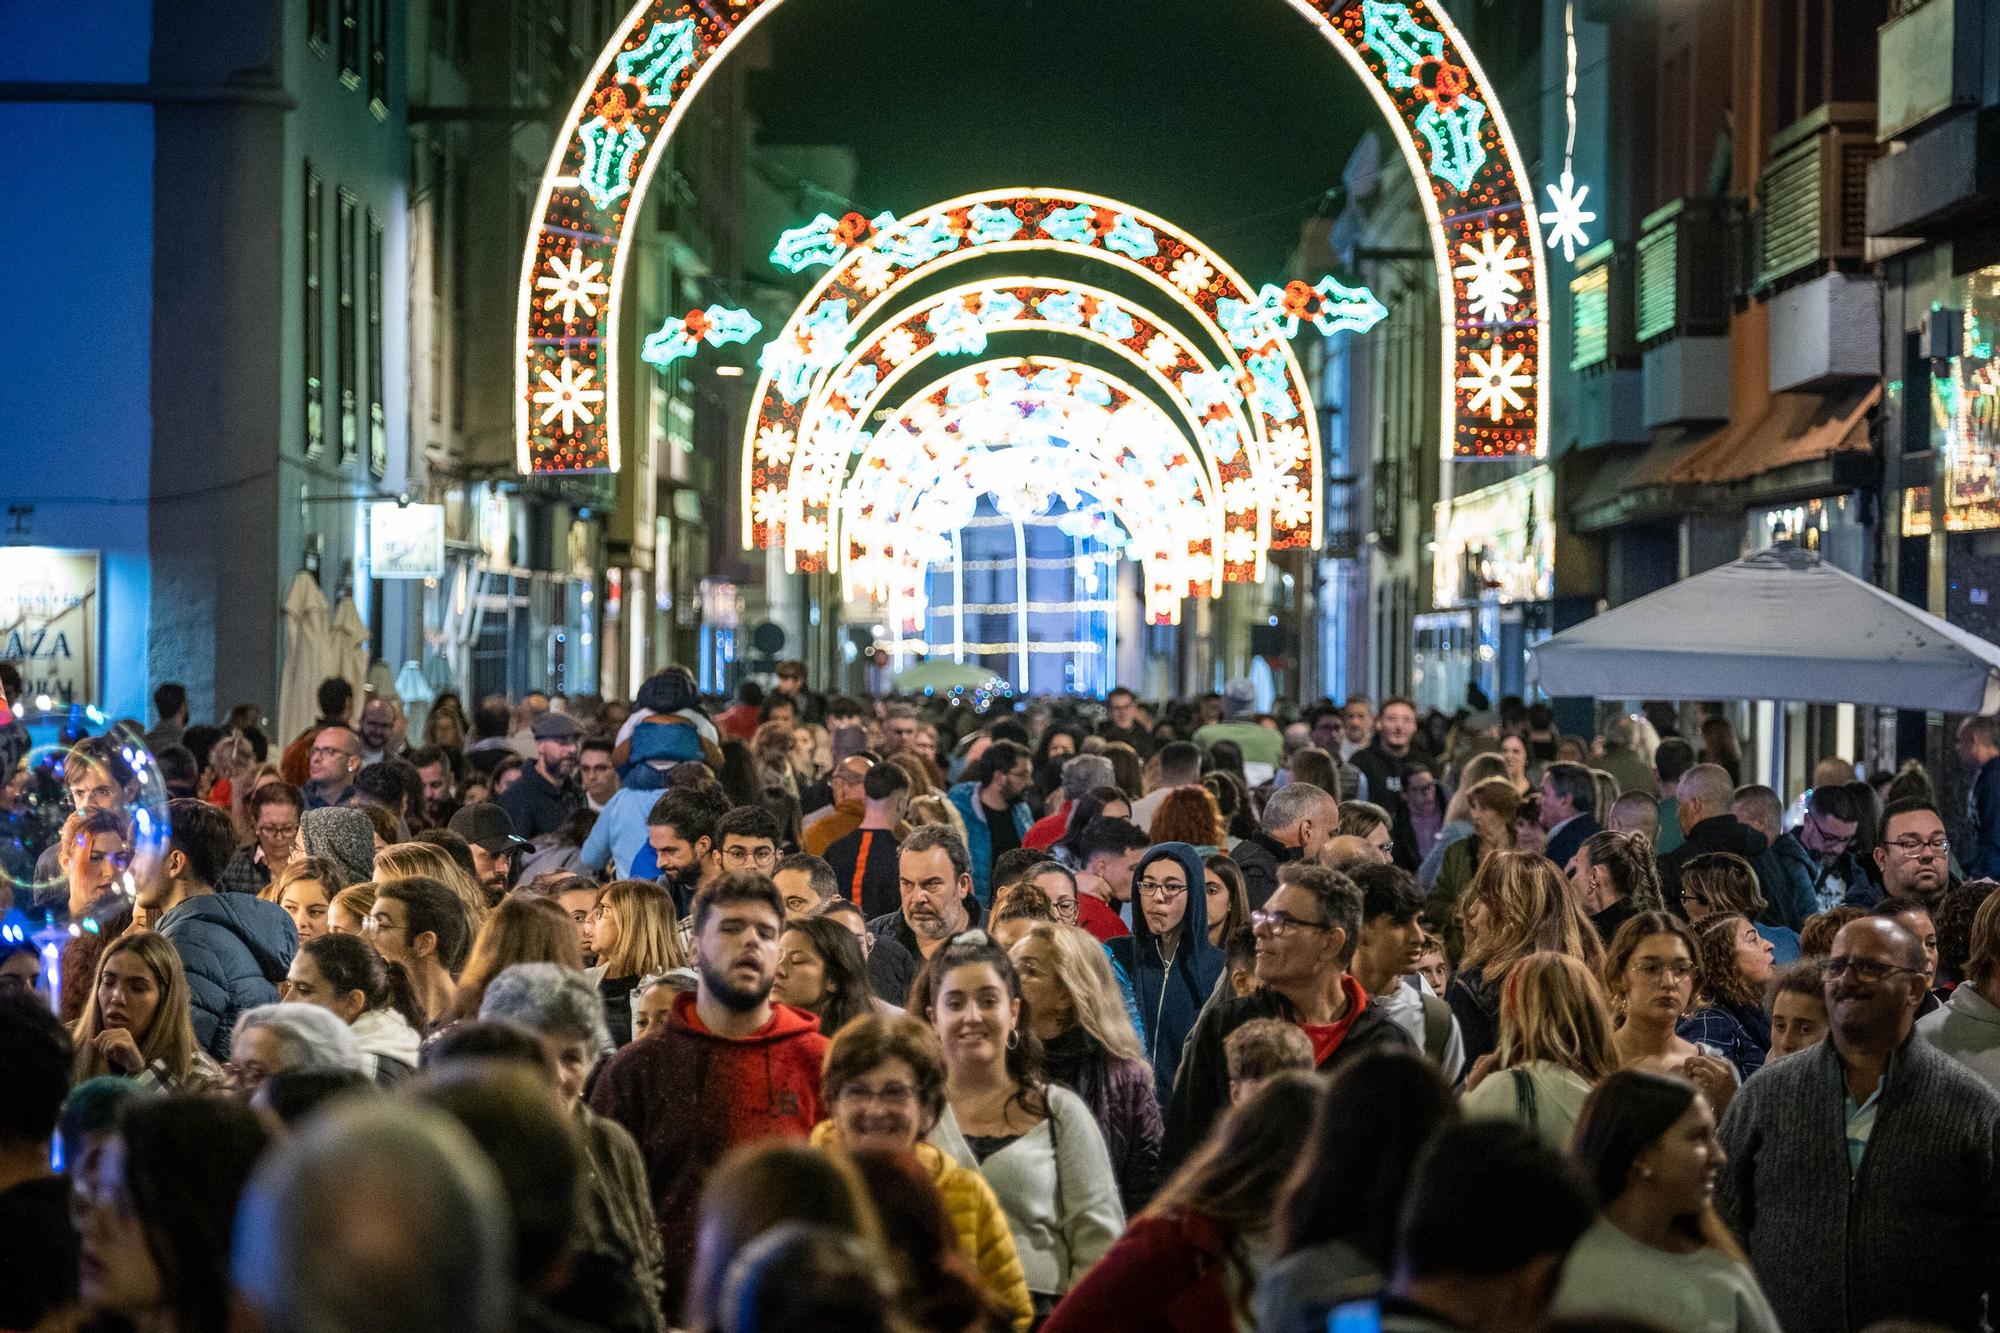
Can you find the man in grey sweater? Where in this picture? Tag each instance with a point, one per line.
(1864, 1176)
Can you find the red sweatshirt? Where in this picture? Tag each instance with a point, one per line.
(688, 1096)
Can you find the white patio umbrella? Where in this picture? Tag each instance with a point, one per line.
(305, 657)
(1781, 625)
(347, 649)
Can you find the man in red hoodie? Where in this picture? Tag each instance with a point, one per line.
(727, 1067)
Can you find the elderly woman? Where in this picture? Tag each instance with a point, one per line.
(564, 1011)
(275, 1037)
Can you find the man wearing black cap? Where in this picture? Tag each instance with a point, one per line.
(494, 843)
(547, 794)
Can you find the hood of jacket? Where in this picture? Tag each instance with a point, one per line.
(786, 1022)
(1170, 985)
(263, 928)
(386, 1034)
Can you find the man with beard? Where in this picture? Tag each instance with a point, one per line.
(1913, 860)
(547, 794)
(495, 846)
(934, 877)
(680, 832)
(989, 800)
(1863, 1176)
(728, 1066)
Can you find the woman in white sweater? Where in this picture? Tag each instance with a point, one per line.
(1555, 1046)
(1038, 1145)
(1658, 1253)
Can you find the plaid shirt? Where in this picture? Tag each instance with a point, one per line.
(1722, 1034)
(245, 873)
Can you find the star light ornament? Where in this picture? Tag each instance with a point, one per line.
(1495, 383)
(1565, 216)
(573, 284)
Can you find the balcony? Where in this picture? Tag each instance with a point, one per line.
(1342, 535)
(1928, 63)
(1812, 200)
(1683, 286)
(1603, 352)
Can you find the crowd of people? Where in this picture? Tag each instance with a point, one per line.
(808, 1013)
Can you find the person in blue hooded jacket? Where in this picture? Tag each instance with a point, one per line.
(234, 948)
(1174, 969)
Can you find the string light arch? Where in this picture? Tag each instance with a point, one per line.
(1474, 191)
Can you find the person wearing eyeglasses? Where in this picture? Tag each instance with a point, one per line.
(1306, 934)
(1652, 971)
(746, 842)
(1862, 1176)
(1913, 860)
(1168, 956)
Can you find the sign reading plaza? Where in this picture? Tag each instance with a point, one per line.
(49, 602)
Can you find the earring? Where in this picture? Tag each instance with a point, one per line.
(1013, 1039)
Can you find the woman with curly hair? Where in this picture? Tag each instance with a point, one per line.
(1189, 815)
(1735, 969)
(1518, 904)
(1723, 882)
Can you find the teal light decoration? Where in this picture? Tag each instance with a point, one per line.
(1131, 237)
(1453, 136)
(717, 326)
(912, 246)
(820, 344)
(1269, 387)
(1277, 312)
(992, 226)
(655, 63)
(825, 239)
(1075, 226)
(607, 155)
(1393, 33)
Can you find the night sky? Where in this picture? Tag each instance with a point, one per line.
(1227, 117)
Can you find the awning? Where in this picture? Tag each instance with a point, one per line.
(1795, 428)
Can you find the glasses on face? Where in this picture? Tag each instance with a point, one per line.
(1653, 969)
(1864, 969)
(746, 856)
(1833, 842)
(1283, 923)
(889, 1094)
(1065, 908)
(275, 831)
(1154, 888)
(1936, 846)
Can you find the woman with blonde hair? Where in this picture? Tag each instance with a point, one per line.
(1658, 1254)
(931, 809)
(524, 928)
(348, 913)
(1490, 807)
(427, 860)
(636, 935)
(1456, 822)
(1555, 1046)
(1518, 904)
(1089, 1046)
(138, 1021)
(306, 890)
(1189, 814)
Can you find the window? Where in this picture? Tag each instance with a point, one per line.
(319, 26)
(315, 303)
(350, 43)
(378, 425)
(344, 331)
(378, 58)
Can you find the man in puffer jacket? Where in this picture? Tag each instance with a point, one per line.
(234, 948)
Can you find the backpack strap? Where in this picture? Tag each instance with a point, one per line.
(1526, 1108)
(1437, 1026)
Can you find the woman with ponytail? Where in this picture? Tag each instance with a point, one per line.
(372, 995)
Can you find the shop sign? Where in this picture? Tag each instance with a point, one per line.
(49, 604)
(405, 541)
(1497, 542)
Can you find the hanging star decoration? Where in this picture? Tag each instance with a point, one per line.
(1566, 216)
(717, 326)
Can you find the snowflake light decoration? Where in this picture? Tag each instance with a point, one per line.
(1489, 273)
(567, 394)
(571, 284)
(1566, 216)
(1496, 383)
(1191, 273)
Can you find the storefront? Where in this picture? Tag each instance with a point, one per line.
(1493, 578)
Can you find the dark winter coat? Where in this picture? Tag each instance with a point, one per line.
(1120, 1094)
(1722, 833)
(1170, 987)
(235, 950)
(1201, 1091)
(1258, 857)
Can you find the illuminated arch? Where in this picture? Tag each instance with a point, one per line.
(961, 319)
(1473, 187)
(871, 265)
(1148, 471)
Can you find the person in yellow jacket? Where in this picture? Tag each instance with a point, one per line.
(884, 1084)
